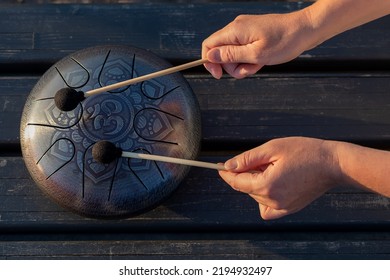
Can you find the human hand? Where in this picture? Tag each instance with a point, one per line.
(284, 175)
(248, 43)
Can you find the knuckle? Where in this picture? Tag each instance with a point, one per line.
(205, 43)
(246, 159)
(240, 19)
(229, 55)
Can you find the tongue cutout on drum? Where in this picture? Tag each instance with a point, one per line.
(67, 99)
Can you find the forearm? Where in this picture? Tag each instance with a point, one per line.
(365, 167)
(250, 42)
(331, 17)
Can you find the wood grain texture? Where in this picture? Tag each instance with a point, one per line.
(174, 31)
(202, 202)
(351, 107)
(294, 246)
(339, 90)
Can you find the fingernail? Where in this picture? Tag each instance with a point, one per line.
(214, 56)
(231, 164)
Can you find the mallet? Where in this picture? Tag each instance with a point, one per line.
(67, 99)
(106, 152)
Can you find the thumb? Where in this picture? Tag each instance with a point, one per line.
(231, 54)
(255, 159)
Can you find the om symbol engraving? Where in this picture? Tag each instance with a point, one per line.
(107, 118)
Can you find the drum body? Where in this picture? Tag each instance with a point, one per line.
(159, 116)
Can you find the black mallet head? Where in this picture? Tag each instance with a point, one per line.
(67, 99)
(105, 152)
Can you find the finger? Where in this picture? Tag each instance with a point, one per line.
(244, 182)
(214, 69)
(233, 54)
(219, 38)
(254, 159)
(259, 199)
(240, 71)
(268, 213)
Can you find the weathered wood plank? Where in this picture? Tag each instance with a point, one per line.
(292, 245)
(351, 107)
(172, 30)
(204, 218)
(203, 201)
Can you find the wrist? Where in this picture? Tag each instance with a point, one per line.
(314, 30)
(364, 167)
(336, 172)
(309, 29)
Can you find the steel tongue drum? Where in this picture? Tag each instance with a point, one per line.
(159, 115)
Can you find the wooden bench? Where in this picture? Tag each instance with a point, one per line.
(339, 90)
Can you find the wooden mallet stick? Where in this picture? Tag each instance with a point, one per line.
(146, 77)
(174, 160)
(107, 152)
(67, 99)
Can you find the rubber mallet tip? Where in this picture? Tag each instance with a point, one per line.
(67, 99)
(105, 152)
